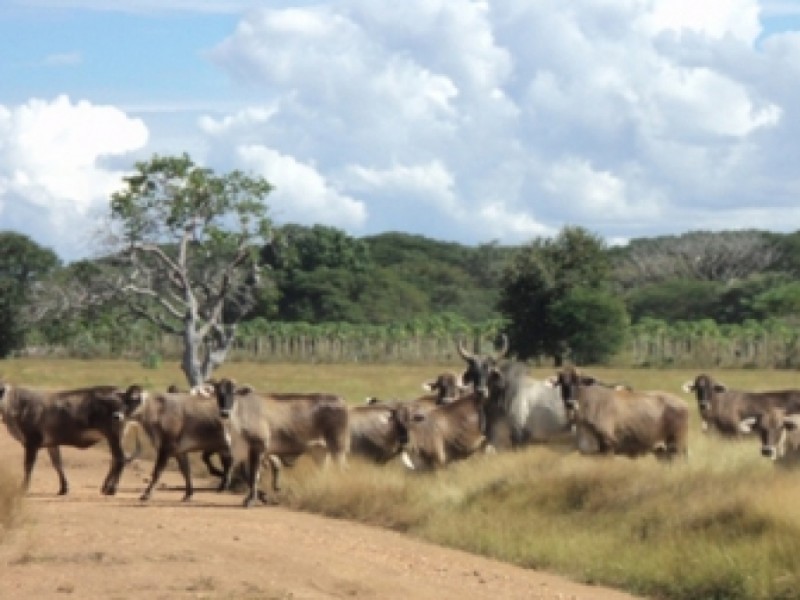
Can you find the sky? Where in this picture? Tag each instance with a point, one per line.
(461, 120)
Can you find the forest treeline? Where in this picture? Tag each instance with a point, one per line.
(728, 298)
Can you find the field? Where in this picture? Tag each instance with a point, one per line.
(724, 525)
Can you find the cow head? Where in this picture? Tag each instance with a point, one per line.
(482, 370)
(704, 388)
(225, 391)
(773, 427)
(568, 380)
(132, 398)
(447, 387)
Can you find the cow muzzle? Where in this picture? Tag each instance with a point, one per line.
(118, 415)
(225, 413)
(769, 452)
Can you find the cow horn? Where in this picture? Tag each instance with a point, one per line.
(503, 347)
(463, 351)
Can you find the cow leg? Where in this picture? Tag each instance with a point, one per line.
(183, 465)
(31, 450)
(161, 461)
(212, 469)
(254, 468)
(55, 460)
(227, 466)
(118, 462)
(275, 465)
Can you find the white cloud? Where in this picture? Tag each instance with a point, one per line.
(301, 194)
(431, 181)
(716, 19)
(473, 120)
(51, 166)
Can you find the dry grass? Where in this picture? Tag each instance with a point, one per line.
(723, 525)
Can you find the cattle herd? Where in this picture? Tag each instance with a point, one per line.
(495, 405)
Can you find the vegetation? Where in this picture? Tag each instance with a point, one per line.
(722, 525)
(557, 297)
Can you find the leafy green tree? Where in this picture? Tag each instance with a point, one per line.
(191, 249)
(675, 300)
(22, 264)
(593, 324)
(548, 280)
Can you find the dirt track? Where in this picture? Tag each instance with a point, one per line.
(89, 546)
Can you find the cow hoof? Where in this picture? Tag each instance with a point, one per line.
(110, 491)
(144, 497)
(186, 498)
(248, 502)
(63, 491)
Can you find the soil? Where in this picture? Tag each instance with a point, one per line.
(86, 545)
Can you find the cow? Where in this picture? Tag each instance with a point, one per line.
(723, 410)
(279, 428)
(80, 418)
(373, 431)
(434, 438)
(779, 432)
(519, 409)
(203, 390)
(446, 387)
(178, 423)
(610, 420)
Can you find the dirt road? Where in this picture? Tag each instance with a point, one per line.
(89, 546)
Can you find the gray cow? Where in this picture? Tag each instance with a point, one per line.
(519, 409)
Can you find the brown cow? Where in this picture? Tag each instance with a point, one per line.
(779, 432)
(79, 418)
(435, 437)
(724, 410)
(373, 431)
(280, 427)
(206, 455)
(610, 420)
(179, 423)
(447, 387)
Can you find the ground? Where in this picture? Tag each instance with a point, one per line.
(88, 546)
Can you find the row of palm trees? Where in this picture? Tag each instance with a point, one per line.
(651, 342)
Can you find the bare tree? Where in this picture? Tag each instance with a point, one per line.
(189, 254)
(701, 255)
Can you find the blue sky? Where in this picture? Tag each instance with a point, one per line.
(460, 120)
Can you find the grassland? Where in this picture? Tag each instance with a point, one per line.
(725, 525)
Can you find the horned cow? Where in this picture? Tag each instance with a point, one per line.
(79, 418)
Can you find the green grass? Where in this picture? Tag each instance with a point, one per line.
(724, 525)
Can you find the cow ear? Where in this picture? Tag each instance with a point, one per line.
(243, 390)
(587, 380)
(720, 387)
(552, 381)
(689, 387)
(791, 422)
(429, 386)
(746, 425)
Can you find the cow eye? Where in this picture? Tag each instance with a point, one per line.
(418, 418)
